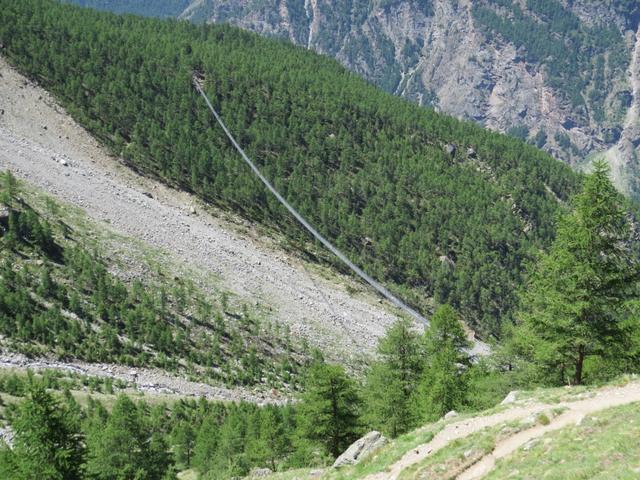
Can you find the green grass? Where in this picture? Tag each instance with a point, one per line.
(460, 454)
(387, 455)
(604, 446)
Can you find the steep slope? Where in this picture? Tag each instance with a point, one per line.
(552, 72)
(430, 205)
(41, 144)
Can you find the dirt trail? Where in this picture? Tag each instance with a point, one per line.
(41, 144)
(576, 412)
(452, 432)
(606, 398)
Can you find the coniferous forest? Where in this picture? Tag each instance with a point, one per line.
(371, 171)
(469, 225)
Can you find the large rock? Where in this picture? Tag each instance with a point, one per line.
(360, 449)
(512, 397)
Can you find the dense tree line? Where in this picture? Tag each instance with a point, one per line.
(369, 169)
(56, 438)
(57, 295)
(149, 8)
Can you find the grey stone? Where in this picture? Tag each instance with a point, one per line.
(360, 449)
(510, 398)
(450, 148)
(451, 414)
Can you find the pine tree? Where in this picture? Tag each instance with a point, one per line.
(47, 442)
(391, 382)
(444, 384)
(574, 303)
(206, 446)
(183, 440)
(329, 411)
(125, 448)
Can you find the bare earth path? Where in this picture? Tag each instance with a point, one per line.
(41, 144)
(575, 413)
(605, 398)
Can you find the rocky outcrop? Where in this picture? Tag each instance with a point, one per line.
(360, 449)
(438, 54)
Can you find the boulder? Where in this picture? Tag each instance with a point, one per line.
(510, 398)
(6, 436)
(450, 148)
(360, 449)
(451, 414)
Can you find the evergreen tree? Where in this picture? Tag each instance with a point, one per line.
(391, 382)
(444, 383)
(125, 448)
(574, 304)
(269, 441)
(47, 443)
(206, 446)
(183, 439)
(9, 188)
(329, 411)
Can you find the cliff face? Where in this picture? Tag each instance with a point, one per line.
(562, 75)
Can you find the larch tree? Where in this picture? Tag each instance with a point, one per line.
(573, 305)
(47, 441)
(391, 382)
(443, 386)
(329, 411)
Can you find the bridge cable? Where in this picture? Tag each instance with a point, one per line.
(357, 270)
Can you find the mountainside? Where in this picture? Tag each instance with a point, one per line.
(562, 75)
(62, 294)
(433, 206)
(142, 227)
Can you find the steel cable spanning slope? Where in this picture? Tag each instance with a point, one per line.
(380, 288)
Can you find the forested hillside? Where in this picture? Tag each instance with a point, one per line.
(59, 296)
(562, 75)
(149, 8)
(431, 205)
